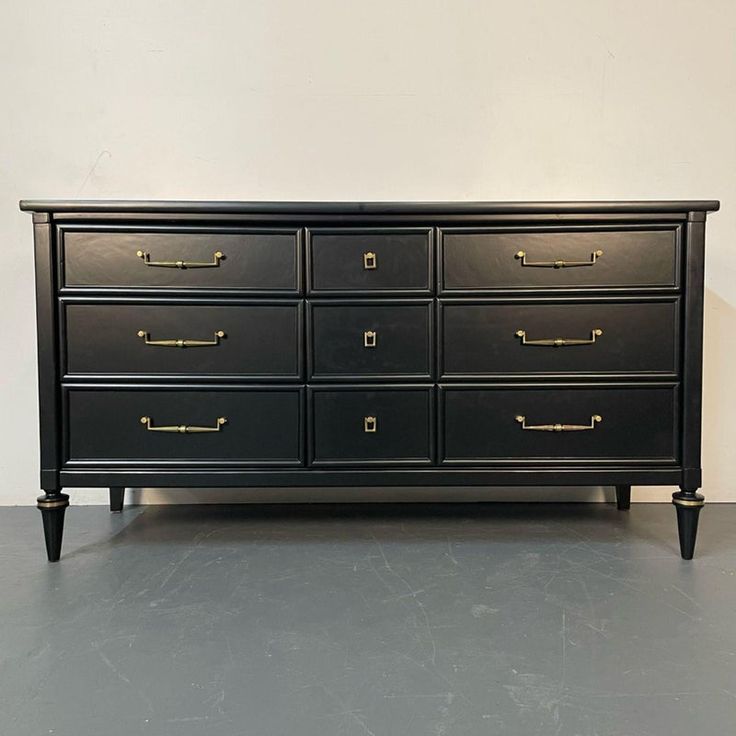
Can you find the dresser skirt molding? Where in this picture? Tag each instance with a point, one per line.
(324, 345)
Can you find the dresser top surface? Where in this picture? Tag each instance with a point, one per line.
(366, 208)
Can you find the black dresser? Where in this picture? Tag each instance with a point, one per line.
(195, 344)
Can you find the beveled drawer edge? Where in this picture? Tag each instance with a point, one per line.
(66, 388)
(378, 377)
(509, 300)
(61, 228)
(675, 386)
(429, 230)
(677, 227)
(431, 392)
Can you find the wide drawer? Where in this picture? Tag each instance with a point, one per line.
(373, 260)
(253, 340)
(371, 339)
(157, 426)
(503, 259)
(182, 258)
(372, 425)
(481, 338)
(559, 424)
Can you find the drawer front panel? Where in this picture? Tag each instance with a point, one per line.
(637, 423)
(480, 260)
(376, 339)
(372, 426)
(256, 340)
(262, 426)
(251, 260)
(482, 338)
(370, 260)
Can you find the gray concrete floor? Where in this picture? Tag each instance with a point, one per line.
(440, 620)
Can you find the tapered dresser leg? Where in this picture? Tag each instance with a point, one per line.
(117, 495)
(688, 505)
(52, 506)
(623, 498)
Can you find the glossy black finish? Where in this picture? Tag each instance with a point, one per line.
(402, 335)
(117, 498)
(623, 498)
(255, 260)
(478, 260)
(263, 427)
(403, 261)
(294, 298)
(478, 424)
(404, 424)
(479, 338)
(262, 339)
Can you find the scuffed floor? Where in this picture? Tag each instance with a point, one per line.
(404, 620)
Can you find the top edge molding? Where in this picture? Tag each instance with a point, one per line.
(365, 208)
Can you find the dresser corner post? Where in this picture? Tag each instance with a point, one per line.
(53, 503)
(687, 500)
(52, 506)
(117, 498)
(623, 498)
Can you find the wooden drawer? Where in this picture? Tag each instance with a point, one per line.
(478, 260)
(370, 260)
(372, 425)
(481, 338)
(262, 427)
(481, 424)
(265, 261)
(245, 340)
(377, 339)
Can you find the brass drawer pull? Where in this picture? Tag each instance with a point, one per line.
(369, 339)
(594, 256)
(369, 261)
(560, 427)
(558, 342)
(369, 424)
(214, 263)
(181, 343)
(183, 428)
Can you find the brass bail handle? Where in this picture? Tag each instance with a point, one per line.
(558, 342)
(370, 424)
(181, 343)
(595, 419)
(594, 256)
(370, 338)
(217, 256)
(370, 261)
(183, 428)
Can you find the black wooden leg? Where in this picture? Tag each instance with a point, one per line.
(52, 506)
(117, 495)
(623, 498)
(688, 505)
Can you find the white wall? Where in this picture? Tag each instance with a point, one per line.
(425, 100)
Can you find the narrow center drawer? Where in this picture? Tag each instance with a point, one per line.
(182, 258)
(259, 426)
(372, 260)
(251, 340)
(371, 339)
(372, 425)
(626, 337)
(559, 424)
(503, 259)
